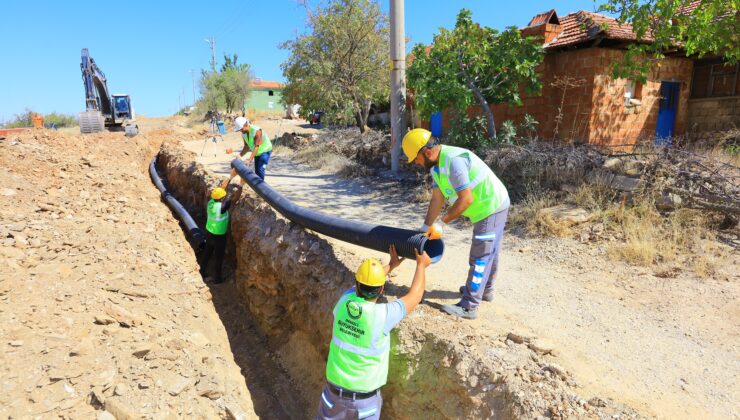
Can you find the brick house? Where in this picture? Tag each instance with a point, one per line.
(599, 109)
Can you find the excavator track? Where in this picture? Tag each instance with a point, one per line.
(91, 122)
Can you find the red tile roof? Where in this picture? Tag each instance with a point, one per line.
(266, 84)
(542, 18)
(685, 10)
(586, 26)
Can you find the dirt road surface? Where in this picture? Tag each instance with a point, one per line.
(667, 347)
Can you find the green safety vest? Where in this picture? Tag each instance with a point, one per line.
(359, 350)
(489, 193)
(266, 144)
(217, 223)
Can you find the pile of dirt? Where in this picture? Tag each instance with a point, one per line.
(102, 307)
(289, 280)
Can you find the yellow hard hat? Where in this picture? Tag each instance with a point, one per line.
(413, 141)
(371, 273)
(218, 193)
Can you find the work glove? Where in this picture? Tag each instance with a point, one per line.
(434, 231)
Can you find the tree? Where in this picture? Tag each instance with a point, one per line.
(699, 27)
(341, 66)
(228, 88)
(474, 64)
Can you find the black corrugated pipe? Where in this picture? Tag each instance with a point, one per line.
(376, 237)
(196, 235)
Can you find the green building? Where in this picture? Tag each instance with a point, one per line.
(265, 97)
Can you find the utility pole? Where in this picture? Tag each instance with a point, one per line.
(192, 76)
(212, 41)
(398, 81)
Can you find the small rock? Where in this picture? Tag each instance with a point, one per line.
(540, 346)
(120, 410)
(567, 213)
(16, 343)
(517, 338)
(7, 192)
(104, 415)
(612, 163)
(180, 385)
(557, 369)
(210, 387)
(104, 320)
(142, 351)
(597, 402)
(120, 390)
(625, 183)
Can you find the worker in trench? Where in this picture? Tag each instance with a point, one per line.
(359, 350)
(217, 227)
(468, 185)
(256, 141)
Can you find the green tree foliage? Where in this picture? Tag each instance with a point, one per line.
(341, 66)
(474, 64)
(228, 88)
(711, 28)
(25, 119)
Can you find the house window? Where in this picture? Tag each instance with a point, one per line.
(633, 93)
(270, 93)
(713, 78)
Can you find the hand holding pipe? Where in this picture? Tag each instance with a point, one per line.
(376, 237)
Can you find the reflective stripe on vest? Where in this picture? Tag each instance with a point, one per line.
(217, 223)
(248, 138)
(359, 350)
(488, 191)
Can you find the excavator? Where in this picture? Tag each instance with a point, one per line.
(103, 109)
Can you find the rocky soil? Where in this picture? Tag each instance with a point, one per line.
(289, 280)
(102, 309)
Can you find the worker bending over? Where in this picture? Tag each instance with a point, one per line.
(467, 184)
(360, 346)
(256, 141)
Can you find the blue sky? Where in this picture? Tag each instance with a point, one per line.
(147, 48)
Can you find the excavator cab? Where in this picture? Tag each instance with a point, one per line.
(122, 108)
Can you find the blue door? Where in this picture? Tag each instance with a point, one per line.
(666, 112)
(435, 124)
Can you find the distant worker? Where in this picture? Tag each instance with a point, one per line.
(359, 351)
(258, 142)
(217, 226)
(463, 180)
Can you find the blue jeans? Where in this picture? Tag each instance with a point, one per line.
(260, 164)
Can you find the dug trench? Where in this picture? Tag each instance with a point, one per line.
(284, 283)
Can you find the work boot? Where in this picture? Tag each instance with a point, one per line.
(458, 310)
(487, 294)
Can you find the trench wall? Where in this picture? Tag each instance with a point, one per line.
(290, 278)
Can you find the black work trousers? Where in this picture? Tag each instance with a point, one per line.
(215, 243)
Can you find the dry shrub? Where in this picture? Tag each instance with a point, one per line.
(422, 193)
(354, 170)
(282, 150)
(594, 196)
(544, 224)
(319, 158)
(528, 214)
(651, 238)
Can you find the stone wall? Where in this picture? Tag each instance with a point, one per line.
(709, 117)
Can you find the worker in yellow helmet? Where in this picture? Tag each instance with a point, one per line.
(217, 226)
(357, 366)
(471, 189)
